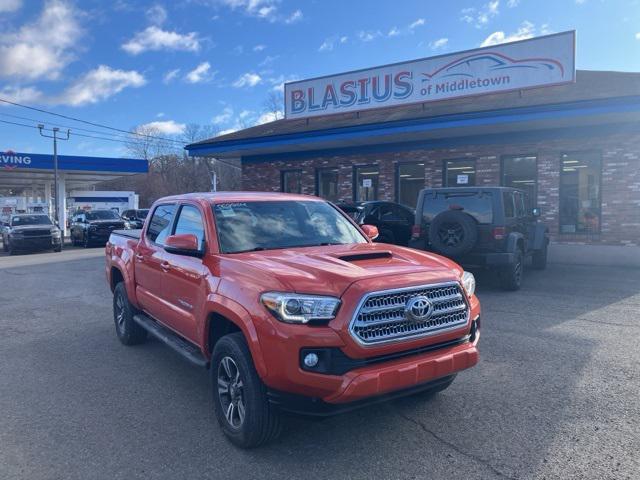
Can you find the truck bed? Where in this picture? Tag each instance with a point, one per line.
(135, 234)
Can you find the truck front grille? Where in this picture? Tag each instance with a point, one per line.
(383, 317)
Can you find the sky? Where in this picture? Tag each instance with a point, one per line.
(168, 63)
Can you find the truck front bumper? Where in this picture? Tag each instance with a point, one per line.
(375, 379)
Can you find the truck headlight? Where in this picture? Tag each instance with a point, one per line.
(294, 308)
(127, 226)
(55, 233)
(469, 283)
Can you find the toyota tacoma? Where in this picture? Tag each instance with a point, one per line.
(290, 305)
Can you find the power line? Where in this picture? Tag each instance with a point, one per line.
(103, 138)
(88, 122)
(116, 135)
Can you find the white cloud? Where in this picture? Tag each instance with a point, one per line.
(418, 23)
(199, 74)
(10, 5)
(268, 60)
(265, 9)
(269, 117)
(157, 14)
(228, 130)
(224, 117)
(21, 94)
(395, 31)
(638, 36)
(526, 30)
(580, 2)
(164, 127)
(513, 3)
(440, 43)
(259, 48)
(278, 82)
(369, 35)
(170, 75)
(294, 17)
(99, 84)
(247, 80)
(41, 49)
(154, 38)
(481, 16)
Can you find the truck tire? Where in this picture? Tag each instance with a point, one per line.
(239, 396)
(511, 276)
(539, 261)
(453, 233)
(128, 331)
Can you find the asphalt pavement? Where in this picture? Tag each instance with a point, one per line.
(555, 394)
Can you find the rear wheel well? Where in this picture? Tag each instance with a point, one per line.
(219, 326)
(116, 277)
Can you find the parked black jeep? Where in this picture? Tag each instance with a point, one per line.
(490, 227)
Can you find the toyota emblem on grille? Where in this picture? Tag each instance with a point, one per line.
(418, 309)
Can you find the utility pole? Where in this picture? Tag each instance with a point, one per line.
(55, 165)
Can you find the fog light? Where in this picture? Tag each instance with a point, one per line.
(311, 360)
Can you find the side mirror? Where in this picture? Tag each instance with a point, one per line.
(536, 212)
(370, 231)
(183, 244)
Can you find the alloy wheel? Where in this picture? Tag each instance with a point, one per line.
(120, 314)
(231, 392)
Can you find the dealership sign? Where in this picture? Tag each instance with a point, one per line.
(541, 61)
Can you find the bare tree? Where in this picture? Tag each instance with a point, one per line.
(274, 105)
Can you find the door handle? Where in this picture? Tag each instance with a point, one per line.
(165, 266)
(139, 257)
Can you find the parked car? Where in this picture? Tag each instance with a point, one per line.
(94, 227)
(490, 227)
(290, 305)
(394, 221)
(135, 218)
(29, 232)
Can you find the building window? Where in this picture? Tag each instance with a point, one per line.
(521, 172)
(291, 181)
(366, 183)
(327, 183)
(580, 192)
(410, 181)
(459, 173)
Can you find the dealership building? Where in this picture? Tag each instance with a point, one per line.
(516, 115)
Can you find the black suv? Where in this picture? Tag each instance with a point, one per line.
(94, 227)
(492, 227)
(135, 218)
(394, 221)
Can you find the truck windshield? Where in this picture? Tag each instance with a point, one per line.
(102, 215)
(30, 220)
(252, 226)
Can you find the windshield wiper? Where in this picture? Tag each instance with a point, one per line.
(254, 249)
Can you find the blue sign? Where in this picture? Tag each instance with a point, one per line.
(10, 160)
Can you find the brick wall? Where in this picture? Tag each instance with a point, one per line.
(620, 191)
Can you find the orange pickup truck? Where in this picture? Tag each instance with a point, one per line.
(290, 305)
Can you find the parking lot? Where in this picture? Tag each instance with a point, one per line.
(555, 394)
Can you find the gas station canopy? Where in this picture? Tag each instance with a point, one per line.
(27, 174)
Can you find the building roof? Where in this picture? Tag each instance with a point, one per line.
(590, 88)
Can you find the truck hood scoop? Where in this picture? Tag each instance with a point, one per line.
(354, 257)
(329, 270)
